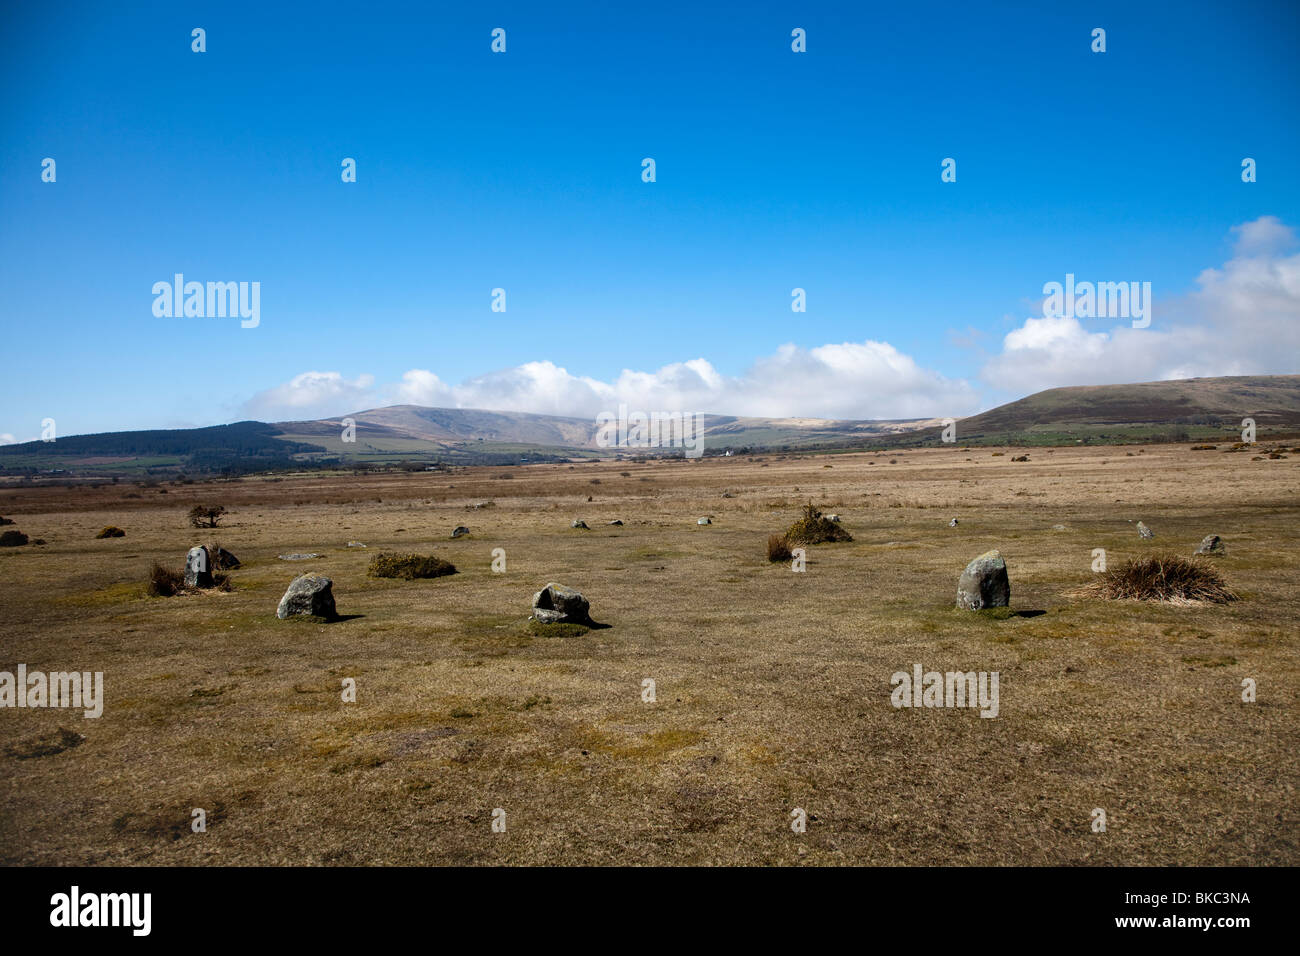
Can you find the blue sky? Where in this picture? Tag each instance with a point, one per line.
(522, 170)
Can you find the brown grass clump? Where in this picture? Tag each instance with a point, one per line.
(409, 566)
(163, 582)
(111, 531)
(813, 528)
(1163, 577)
(778, 548)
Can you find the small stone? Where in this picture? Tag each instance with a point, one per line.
(616, 522)
(355, 544)
(1144, 531)
(704, 521)
(297, 556)
(460, 532)
(579, 523)
(952, 523)
(835, 518)
(1211, 544)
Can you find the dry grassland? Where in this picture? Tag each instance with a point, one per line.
(773, 688)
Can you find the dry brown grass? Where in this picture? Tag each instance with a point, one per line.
(772, 686)
(1162, 577)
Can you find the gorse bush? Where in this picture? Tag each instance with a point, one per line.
(409, 566)
(1163, 577)
(814, 528)
(111, 531)
(12, 539)
(778, 548)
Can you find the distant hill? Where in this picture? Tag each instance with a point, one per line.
(240, 446)
(1186, 409)
(402, 429)
(1181, 409)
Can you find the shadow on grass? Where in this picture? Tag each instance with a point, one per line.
(565, 628)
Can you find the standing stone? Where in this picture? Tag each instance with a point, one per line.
(198, 568)
(984, 583)
(1211, 544)
(556, 603)
(952, 523)
(1145, 531)
(311, 594)
(579, 523)
(224, 560)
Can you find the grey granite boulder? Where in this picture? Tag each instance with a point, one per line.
(309, 594)
(1145, 532)
(556, 604)
(460, 532)
(984, 583)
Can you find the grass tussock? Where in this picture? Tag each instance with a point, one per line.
(815, 528)
(111, 531)
(778, 548)
(1162, 577)
(164, 582)
(409, 566)
(12, 539)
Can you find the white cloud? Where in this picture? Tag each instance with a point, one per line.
(7, 439)
(310, 395)
(1244, 319)
(847, 380)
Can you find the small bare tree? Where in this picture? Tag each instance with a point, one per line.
(206, 516)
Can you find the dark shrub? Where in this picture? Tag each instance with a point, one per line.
(778, 548)
(814, 528)
(12, 539)
(206, 516)
(111, 531)
(164, 583)
(6, 520)
(409, 566)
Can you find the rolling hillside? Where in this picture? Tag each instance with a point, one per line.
(1186, 409)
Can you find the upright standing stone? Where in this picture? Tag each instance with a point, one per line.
(198, 568)
(1145, 531)
(984, 583)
